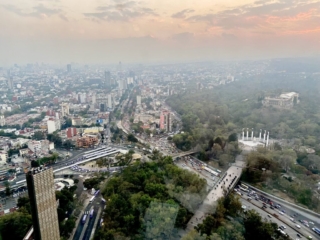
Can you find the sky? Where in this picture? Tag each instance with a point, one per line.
(134, 31)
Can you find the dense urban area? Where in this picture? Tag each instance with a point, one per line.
(207, 150)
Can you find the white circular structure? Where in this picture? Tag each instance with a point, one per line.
(18, 85)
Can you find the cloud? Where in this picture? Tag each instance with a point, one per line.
(38, 11)
(63, 17)
(120, 11)
(267, 15)
(182, 14)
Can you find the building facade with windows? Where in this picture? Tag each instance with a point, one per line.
(41, 191)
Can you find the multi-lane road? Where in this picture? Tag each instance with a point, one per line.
(84, 229)
(281, 215)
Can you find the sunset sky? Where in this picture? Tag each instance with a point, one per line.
(97, 31)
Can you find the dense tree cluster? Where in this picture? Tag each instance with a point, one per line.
(278, 169)
(130, 194)
(229, 222)
(220, 111)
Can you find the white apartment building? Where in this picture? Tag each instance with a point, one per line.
(53, 125)
(138, 100)
(3, 157)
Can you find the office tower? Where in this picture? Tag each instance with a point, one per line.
(110, 105)
(64, 109)
(41, 191)
(68, 68)
(10, 81)
(121, 85)
(168, 122)
(102, 107)
(94, 99)
(138, 100)
(107, 78)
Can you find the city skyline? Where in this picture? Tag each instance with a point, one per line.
(134, 31)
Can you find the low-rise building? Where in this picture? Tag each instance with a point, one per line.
(284, 101)
(87, 141)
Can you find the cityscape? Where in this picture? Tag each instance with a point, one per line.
(127, 120)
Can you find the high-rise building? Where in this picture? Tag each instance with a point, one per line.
(64, 109)
(82, 97)
(2, 120)
(68, 68)
(138, 100)
(41, 191)
(110, 105)
(94, 99)
(102, 107)
(166, 121)
(10, 83)
(107, 78)
(121, 85)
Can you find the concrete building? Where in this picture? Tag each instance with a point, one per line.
(107, 78)
(10, 83)
(85, 142)
(82, 98)
(71, 132)
(3, 157)
(165, 121)
(42, 146)
(284, 101)
(53, 125)
(41, 191)
(110, 103)
(94, 99)
(2, 120)
(64, 109)
(138, 100)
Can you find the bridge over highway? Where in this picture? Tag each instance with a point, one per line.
(182, 154)
(67, 164)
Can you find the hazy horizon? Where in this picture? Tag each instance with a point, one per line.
(151, 31)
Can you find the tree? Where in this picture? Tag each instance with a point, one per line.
(38, 135)
(34, 164)
(24, 202)
(233, 137)
(132, 138)
(15, 225)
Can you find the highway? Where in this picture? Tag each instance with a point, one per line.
(83, 231)
(282, 218)
(264, 214)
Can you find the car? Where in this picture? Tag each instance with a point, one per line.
(283, 226)
(298, 226)
(281, 212)
(298, 235)
(269, 215)
(311, 223)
